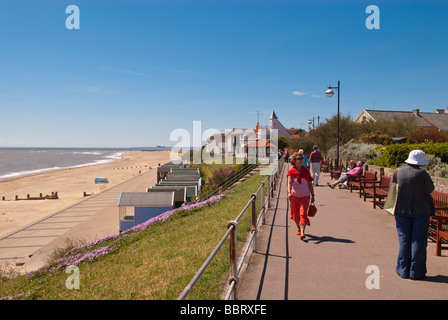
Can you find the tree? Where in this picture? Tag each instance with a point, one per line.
(304, 143)
(325, 136)
(283, 142)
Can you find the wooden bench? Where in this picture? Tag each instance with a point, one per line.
(377, 190)
(324, 165)
(441, 233)
(335, 172)
(362, 180)
(440, 220)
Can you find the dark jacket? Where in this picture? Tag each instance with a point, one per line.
(315, 156)
(414, 191)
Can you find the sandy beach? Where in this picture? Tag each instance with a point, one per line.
(70, 185)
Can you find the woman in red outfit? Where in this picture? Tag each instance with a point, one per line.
(300, 190)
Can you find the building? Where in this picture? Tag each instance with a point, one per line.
(241, 143)
(437, 119)
(175, 185)
(295, 133)
(138, 207)
(275, 124)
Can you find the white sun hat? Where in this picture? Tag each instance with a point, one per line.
(417, 157)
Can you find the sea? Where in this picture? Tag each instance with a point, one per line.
(16, 162)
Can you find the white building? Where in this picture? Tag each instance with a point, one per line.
(240, 143)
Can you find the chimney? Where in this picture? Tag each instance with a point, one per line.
(416, 112)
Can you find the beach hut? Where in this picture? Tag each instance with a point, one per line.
(164, 170)
(180, 193)
(192, 188)
(138, 207)
(185, 171)
(173, 177)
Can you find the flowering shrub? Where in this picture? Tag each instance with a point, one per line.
(377, 137)
(395, 154)
(103, 246)
(430, 134)
(435, 167)
(356, 151)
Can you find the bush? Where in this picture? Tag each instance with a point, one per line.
(220, 174)
(431, 134)
(304, 143)
(438, 149)
(436, 167)
(377, 137)
(395, 154)
(354, 151)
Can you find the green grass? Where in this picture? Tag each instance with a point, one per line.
(156, 263)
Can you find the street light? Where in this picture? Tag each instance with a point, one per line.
(329, 93)
(311, 122)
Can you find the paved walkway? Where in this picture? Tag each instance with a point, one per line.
(95, 217)
(345, 237)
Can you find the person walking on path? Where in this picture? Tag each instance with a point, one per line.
(300, 190)
(315, 159)
(413, 209)
(286, 154)
(306, 162)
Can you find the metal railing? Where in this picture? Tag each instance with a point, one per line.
(271, 181)
(228, 182)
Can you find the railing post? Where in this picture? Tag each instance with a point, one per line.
(263, 201)
(233, 257)
(254, 219)
(269, 191)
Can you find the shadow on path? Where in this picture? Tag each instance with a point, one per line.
(318, 240)
(438, 279)
(267, 254)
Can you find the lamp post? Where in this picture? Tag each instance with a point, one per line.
(329, 93)
(311, 122)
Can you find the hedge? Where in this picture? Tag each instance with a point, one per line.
(396, 154)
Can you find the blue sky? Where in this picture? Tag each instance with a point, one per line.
(137, 70)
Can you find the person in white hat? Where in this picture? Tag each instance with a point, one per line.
(412, 214)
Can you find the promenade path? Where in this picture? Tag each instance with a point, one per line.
(346, 238)
(87, 220)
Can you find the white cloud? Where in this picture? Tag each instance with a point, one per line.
(301, 93)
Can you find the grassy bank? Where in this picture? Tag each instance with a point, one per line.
(154, 263)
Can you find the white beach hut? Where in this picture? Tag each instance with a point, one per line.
(138, 207)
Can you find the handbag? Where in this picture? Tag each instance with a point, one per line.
(312, 210)
(391, 198)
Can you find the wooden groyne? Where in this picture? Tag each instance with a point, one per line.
(54, 195)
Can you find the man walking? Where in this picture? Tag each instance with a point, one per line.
(315, 159)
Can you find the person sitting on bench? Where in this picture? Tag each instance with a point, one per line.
(353, 172)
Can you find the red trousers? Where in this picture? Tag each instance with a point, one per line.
(299, 209)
